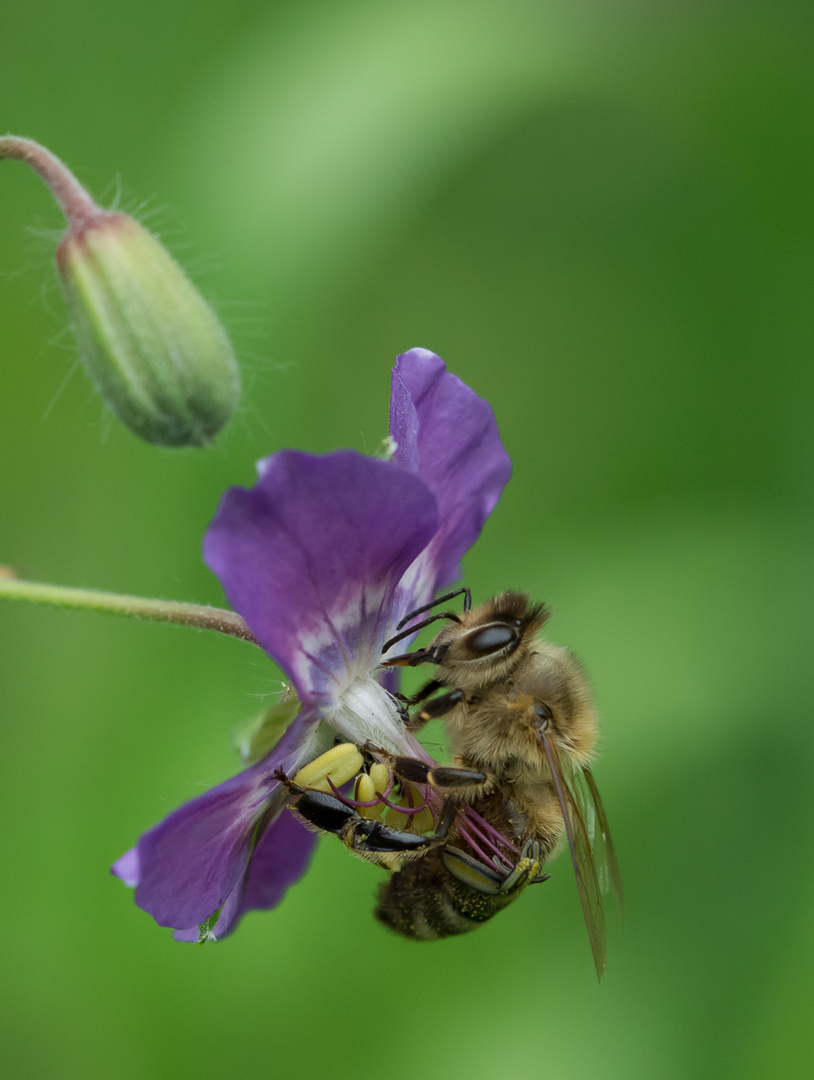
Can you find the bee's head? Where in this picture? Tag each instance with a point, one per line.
(489, 642)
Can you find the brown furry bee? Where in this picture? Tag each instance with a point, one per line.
(523, 728)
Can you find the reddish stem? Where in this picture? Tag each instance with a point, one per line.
(75, 202)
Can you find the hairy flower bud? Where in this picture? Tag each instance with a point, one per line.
(149, 341)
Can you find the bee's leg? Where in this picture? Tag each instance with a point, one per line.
(472, 872)
(436, 707)
(425, 691)
(433, 709)
(452, 780)
(527, 870)
(373, 840)
(317, 809)
(488, 880)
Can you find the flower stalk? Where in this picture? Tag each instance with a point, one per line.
(134, 607)
(72, 198)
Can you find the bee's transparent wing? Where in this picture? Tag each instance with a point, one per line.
(587, 792)
(589, 840)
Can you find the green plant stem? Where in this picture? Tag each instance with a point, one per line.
(134, 607)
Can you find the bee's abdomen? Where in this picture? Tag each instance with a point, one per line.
(424, 901)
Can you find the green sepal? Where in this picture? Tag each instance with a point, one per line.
(206, 928)
(254, 738)
(386, 449)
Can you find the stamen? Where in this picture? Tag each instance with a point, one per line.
(484, 858)
(343, 762)
(405, 809)
(354, 802)
(498, 856)
(364, 790)
(380, 775)
(424, 822)
(485, 830)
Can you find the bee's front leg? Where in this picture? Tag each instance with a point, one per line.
(435, 708)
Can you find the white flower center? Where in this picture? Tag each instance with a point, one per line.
(367, 713)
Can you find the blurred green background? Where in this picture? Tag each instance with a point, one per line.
(600, 215)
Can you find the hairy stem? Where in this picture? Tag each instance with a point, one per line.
(75, 202)
(134, 607)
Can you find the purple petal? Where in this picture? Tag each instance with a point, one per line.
(128, 868)
(187, 866)
(311, 556)
(448, 436)
(281, 857)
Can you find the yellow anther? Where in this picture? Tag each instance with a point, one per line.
(364, 789)
(423, 821)
(380, 775)
(340, 763)
(396, 820)
(365, 792)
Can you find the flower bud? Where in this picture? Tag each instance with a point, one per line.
(153, 347)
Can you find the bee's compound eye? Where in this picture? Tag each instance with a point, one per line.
(492, 638)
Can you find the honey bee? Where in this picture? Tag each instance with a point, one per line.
(523, 729)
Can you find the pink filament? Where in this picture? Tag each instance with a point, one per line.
(485, 829)
(484, 858)
(404, 809)
(359, 802)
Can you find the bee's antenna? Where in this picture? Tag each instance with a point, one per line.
(419, 626)
(434, 603)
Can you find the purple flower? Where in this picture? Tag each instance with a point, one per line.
(322, 558)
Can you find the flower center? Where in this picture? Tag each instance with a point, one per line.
(367, 713)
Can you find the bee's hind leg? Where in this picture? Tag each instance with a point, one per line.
(459, 783)
(491, 882)
(370, 839)
(527, 869)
